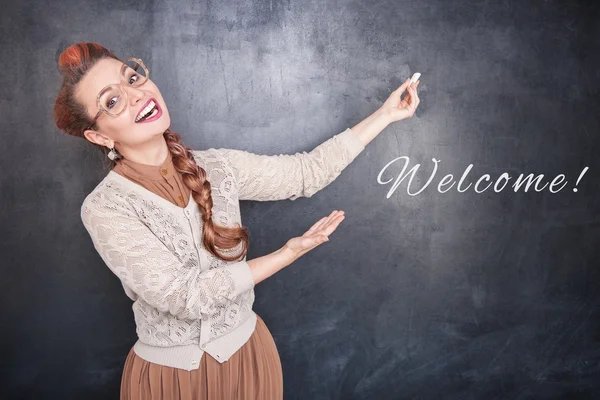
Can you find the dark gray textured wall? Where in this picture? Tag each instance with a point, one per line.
(453, 296)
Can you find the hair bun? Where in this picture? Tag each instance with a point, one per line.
(62, 46)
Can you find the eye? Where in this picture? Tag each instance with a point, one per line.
(111, 104)
(134, 76)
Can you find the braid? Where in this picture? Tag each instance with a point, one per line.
(194, 177)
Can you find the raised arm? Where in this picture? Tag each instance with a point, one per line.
(289, 176)
(150, 269)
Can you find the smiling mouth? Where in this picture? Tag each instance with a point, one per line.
(149, 113)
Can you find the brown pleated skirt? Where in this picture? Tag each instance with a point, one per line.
(253, 372)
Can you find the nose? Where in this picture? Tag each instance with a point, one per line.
(135, 95)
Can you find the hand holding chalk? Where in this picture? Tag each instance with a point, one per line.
(398, 108)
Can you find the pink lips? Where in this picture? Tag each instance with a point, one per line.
(158, 113)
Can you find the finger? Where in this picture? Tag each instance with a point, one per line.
(316, 224)
(332, 218)
(403, 103)
(410, 105)
(406, 102)
(328, 219)
(414, 92)
(414, 97)
(417, 99)
(331, 226)
(406, 99)
(322, 221)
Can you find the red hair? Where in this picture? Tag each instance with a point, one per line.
(71, 117)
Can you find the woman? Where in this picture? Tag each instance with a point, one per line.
(166, 221)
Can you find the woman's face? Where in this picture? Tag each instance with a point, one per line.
(122, 129)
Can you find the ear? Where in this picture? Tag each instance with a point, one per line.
(96, 137)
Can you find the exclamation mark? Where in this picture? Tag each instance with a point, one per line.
(580, 176)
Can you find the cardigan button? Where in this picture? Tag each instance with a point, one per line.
(164, 171)
(194, 362)
(204, 318)
(203, 346)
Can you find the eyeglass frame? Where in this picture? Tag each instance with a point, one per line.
(101, 109)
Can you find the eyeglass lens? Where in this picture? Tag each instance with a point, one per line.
(112, 98)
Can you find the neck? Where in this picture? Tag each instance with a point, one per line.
(153, 152)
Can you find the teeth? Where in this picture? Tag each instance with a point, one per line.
(145, 110)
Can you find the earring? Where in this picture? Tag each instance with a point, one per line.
(112, 154)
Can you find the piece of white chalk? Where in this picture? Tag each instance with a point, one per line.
(415, 77)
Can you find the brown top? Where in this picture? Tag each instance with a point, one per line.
(164, 180)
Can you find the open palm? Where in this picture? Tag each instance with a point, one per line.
(317, 234)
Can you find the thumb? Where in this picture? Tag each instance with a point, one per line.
(317, 240)
(403, 87)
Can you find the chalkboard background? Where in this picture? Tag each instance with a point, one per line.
(491, 295)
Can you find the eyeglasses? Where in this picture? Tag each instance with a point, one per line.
(112, 100)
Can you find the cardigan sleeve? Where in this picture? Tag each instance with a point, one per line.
(289, 176)
(151, 270)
